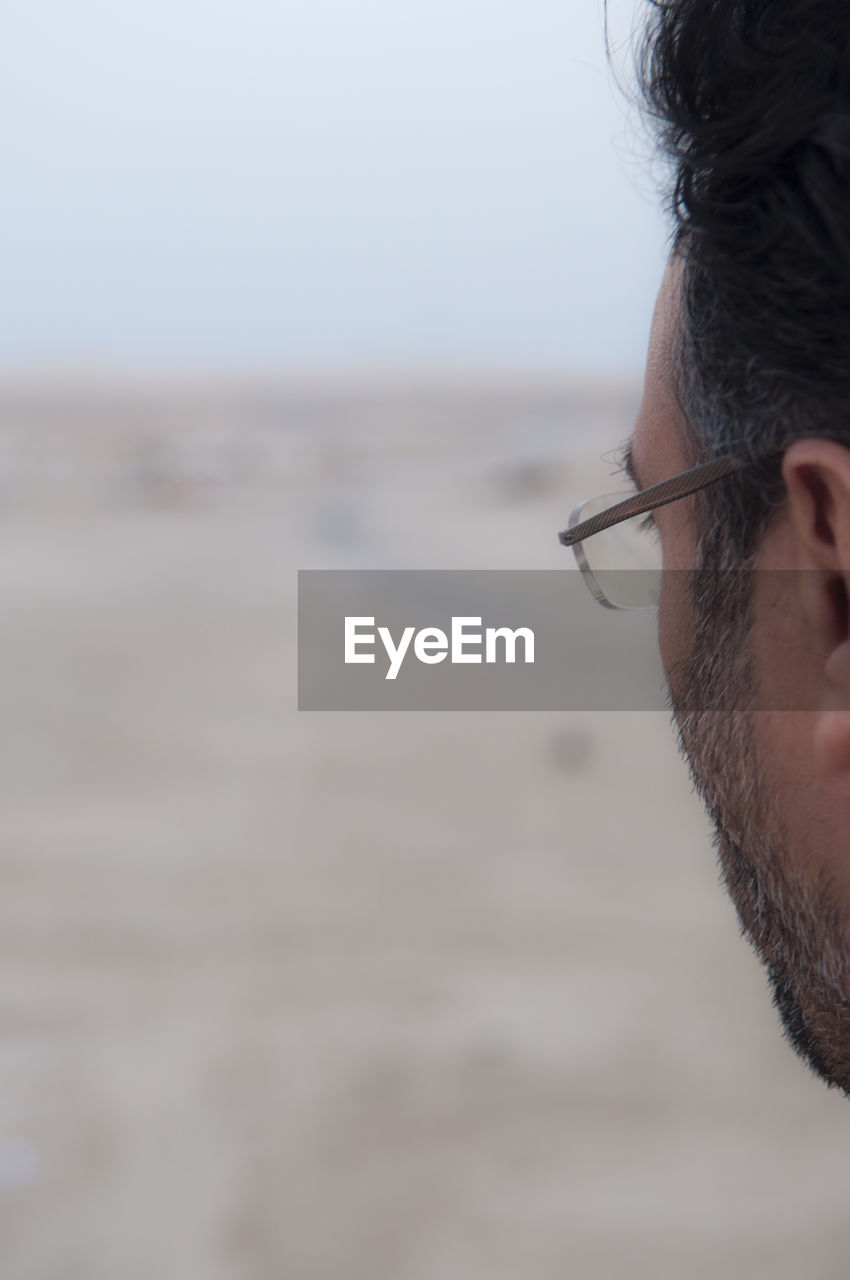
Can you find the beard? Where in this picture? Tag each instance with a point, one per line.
(793, 922)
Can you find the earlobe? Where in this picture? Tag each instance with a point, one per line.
(832, 735)
(832, 742)
(837, 669)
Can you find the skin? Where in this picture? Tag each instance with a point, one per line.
(775, 771)
(657, 454)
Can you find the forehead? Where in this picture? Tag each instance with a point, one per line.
(656, 442)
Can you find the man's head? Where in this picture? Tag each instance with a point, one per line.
(750, 348)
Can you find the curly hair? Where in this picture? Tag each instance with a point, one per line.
(751, 102)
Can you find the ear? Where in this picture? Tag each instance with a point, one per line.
(817, 483)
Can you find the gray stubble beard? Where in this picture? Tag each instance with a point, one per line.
(795, 925)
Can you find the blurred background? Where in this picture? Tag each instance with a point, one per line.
(431, 997)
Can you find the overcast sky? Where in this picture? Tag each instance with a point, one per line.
(264, 183)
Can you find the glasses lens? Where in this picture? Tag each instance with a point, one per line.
(623, 561)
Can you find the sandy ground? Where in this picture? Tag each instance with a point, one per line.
(425, 997)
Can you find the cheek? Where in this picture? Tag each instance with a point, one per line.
(674, 606)
(678, 543)
(674, 621)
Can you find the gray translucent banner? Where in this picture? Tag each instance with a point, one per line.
(536, 640)
(468, 640)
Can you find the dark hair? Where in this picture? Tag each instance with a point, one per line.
(751, 99)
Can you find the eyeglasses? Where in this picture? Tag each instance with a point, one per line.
(625, 537)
